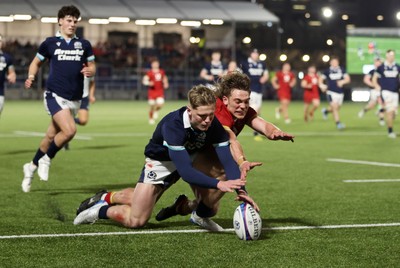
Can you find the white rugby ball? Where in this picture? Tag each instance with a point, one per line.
(247, 222)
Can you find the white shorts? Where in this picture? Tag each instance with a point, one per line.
(163, 173)
(54, 103)
(390, 100)
(374, 95)
(158, 101)
(255, 100)
(335, 97)
(1, 103)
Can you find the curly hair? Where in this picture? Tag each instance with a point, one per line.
(72, 11)
(231, 81)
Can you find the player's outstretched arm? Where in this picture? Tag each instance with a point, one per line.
(270, 130)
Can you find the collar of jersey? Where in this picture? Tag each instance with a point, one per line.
(186, 120)
(58, 34)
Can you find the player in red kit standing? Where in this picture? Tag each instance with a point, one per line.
(283, 82)
(157, 82)
(311, 93)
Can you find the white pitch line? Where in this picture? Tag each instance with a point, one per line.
(40, 134)
(373, 180)
(230, 230)
(363, 162)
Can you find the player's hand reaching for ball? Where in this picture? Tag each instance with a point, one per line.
(231, 185)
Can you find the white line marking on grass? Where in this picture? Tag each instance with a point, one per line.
(40, 134)
(363, 162)
(374, 180)
(229, 230)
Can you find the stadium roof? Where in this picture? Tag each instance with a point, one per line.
(238, 11)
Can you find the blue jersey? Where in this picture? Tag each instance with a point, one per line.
(175, 140)
(254, 70)
(332, 75)
(215, 69)
(389, 76)
(66, 61)
(6, 62)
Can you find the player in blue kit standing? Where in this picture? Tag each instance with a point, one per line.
(386, 79)
(259, 75)
(71, 59)
(335, 78)
(7, 72)
(213, 70)
(177, 139)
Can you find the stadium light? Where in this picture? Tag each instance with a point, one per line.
(300, 75)
(290, 41)
(98, 21)
(307, 15)
(306, 58)
(345, 17)
(325, 58)
(329, 42)
(398, 15)
(327, 12)
(119, 19)
(145, 22)
(315, 23)
(6, 19)
(262, 57)
(246, 40)
(191, 23)
(49, 20)
(166, 20)
(194, 40)
(283, 57)
(22, 17)
(379, 17)
(213, 22)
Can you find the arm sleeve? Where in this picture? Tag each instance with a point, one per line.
(230, 166)
(189, 174)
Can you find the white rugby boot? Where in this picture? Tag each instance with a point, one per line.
(90, 215)
(44, 166)
(206, 223)
(29, 170)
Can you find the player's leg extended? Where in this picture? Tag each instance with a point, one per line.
(66, 124)
(141, 206)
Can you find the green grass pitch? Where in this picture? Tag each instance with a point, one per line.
(295, 186)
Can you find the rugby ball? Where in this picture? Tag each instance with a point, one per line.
(247, 222)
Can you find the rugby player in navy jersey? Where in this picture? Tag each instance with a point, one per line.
(259, 75)
(70, 59)
(177, 139)
(335, 78)
(386, 79)
(7, 72)
(375, 95)
(213, 70)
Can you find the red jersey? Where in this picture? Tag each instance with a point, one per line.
(284, 80)
(312, 92)
(157, 90)
(226, 118)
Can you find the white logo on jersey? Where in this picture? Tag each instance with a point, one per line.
(70, 55)
(3, 63)
(391, 73)
(335, 76)
(58, 44)
(78, 45)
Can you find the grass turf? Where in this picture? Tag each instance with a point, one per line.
(296, 186)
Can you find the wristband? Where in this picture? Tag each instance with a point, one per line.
(31, 77)
(241, 160)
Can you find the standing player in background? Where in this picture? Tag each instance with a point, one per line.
(7, 72)
(311, 92)
(88, 97)
(335, 78)
(157, 82)
(71, 59)
(258, 74)
(232, 67)
(375, 94)
(284, 81)
(386, 79)
(234, 113)
(213, 70)
(169, 155)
